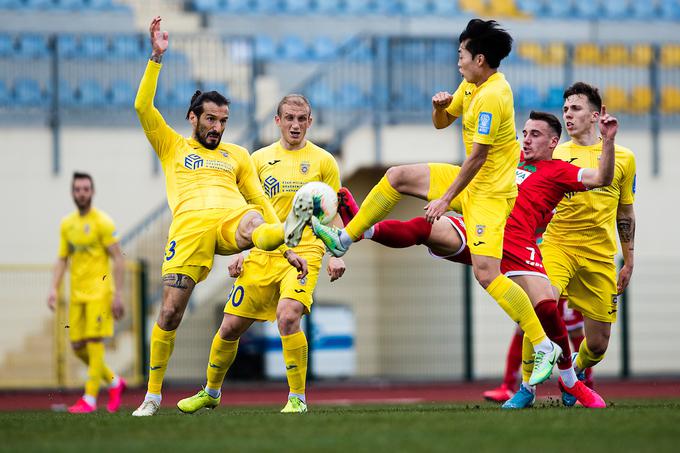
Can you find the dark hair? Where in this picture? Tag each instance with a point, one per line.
(80, 175)
(589, 91)
(487, 38)
(295, 99)
(548, 118)
(199, 98)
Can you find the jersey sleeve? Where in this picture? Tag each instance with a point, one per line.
(569, 176)
(488, 111)
(629, 181)
(455, 108)
(246, 177)
(160, 135)
(107, 231)
(330, 172)
(64, 250)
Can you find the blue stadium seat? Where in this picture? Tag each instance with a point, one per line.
(102, 4)
(415, 7)
(553, 98)
(27, 92)
(67, 95)
(320, 95)
(587, 9)
(70, 5)
(562, 9)
(359, 7)
(265, 49)
(220, 87)
(67, 46)
(359, 51)
(32, 46)
(91, 93)
(122, 93)
(350, 96)
(644, 9)
(389, 7)
(5, 94)
(331, 7)
(126, 46)
(181, 93)
(38, 4)
(294, 48)
(410, 97)
(297, 6)
(616, 9)
(323, 48)
(532, 7)
(267, 7)
(445, 8)
(670, 9)
(208, 6)
(93, 46)
(527, 97)
(6, 45)
(238, 6)
(10, 4)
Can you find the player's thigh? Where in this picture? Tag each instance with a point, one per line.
(559, 265)
(592, 291)
(536, 285)
(99, 318)
(483, 224)
(234, 232)
(413, 179)
(302, 290)
(255, 292)
(440, 178)
(76, 322)
(191, 245)
(446, 237)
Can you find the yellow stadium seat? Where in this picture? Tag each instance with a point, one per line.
(670, 99)
(615, 98)
(556, 53)
(670, 55)
(532, 51)
(587, 53)
(615, 54)
(641, 98)
(641, 55)
(504, 8)
(473, 6)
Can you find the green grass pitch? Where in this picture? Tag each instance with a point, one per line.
(635, 425)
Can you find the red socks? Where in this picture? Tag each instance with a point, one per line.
(398, 234)
(554, 327)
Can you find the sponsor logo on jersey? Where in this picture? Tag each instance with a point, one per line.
(193, 161)
(304, 167)
(521, 175)
(484, 123)
(271, 186)
(274, 162)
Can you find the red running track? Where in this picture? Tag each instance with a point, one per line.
(247, 394)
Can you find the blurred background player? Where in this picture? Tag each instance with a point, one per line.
(579, 244)
(267, 288)
(217, 204)
(88, 238)
(484, 100)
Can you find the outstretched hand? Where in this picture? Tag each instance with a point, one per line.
(435, 209)
(159, 39)
(609, 125)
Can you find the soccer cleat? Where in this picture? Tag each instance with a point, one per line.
(581, 393)
(294, 406)
(198, 401)
(543, 364)
(146, 409)
(567, 398)
(347, 206)
(298, 217)
(330, 236)
(81, 407)
(115, 394)
(498, 395)
(523, 399)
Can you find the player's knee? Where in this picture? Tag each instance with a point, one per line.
(246, 228)
(169, 317)
(485, 276)
(396, 176)
(288, 322)
(227, 332)
(598, 344)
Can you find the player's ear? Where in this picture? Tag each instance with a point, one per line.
(193, 119)
(277, 120)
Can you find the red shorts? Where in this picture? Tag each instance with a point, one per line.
(463, 254)
(572, 318)
(521, 257)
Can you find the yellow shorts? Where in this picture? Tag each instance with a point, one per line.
(93, 319)
(591, 284)
(484, 217)
(196, 236)
(268, 278)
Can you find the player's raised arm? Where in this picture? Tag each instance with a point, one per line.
(604, 174)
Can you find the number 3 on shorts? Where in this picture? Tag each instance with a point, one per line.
(171, 251)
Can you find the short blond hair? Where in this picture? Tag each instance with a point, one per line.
(294, 99)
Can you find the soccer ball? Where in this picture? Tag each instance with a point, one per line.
(325, 200)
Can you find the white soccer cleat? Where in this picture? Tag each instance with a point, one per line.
(147, 409)
(299, 216)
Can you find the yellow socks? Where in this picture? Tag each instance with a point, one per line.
(268, 236)
(586, 358)
(295, 351)
(222, 355)
(162, 344)
(378, 203)
(107, 374)
(95, 353)
(517, 305)
(527, 359)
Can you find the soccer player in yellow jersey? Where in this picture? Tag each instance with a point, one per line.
(580, 242)
(88, 238)
(266, 289)
(483, 188)
(217, 204)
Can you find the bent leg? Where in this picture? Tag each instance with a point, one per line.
(594, 346)
(252, 230)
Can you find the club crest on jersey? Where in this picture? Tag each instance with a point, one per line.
(480, 229)
(304, 167)
(484, 123)
(303, 281)
(87, 228)
(271, 186)
(193, 161)
(225, 154)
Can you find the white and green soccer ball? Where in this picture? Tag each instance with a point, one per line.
(325, 200)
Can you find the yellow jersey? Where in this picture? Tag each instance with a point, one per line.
(85, 240)
(585, 222)
(282, 172)
(196, 178)
(488, 118)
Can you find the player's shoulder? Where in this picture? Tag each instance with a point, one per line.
(563, 148)
(265, 150)
(69, 218)
(101, 217)
(233, 149)
(319, 151)
(622, 151)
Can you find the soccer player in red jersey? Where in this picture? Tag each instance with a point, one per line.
(542, 183)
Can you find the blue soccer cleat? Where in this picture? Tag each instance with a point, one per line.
(523, 399)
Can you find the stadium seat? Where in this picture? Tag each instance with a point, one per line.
(294, 48)
(531, 7)
(415, 7)
(670, 55)
(330, 7)
(469, 6)
(359, 51)
(238, 6)
(531, 51)
(561, 9)
(323, 48)
(641, 55)
(122, 93)
(445, 8)
(32, 46)
(410, 97)
(5, 94)
(220, 87)
(587, 54)
(587, 9)
(554, 99)
(670, 99)
(102, 4)
(502, 8)
(27, 92)
(615, 98)
(359, 7)
(641, 99)
(265, 49)
(527, 97)
(644, 9)
(615, 54)
(208, 6)
(555, 53)
(67, 46)
(10, 4)
(67, 95)
(181, 93)
(268, 7)
(670, 9)
(6, 45)
(350, 96)
(616, 9)
(93, 46)
(91, 93)
(126, 46)
(320, 95)
(38, 4)
(71, 5)
(297, 6)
